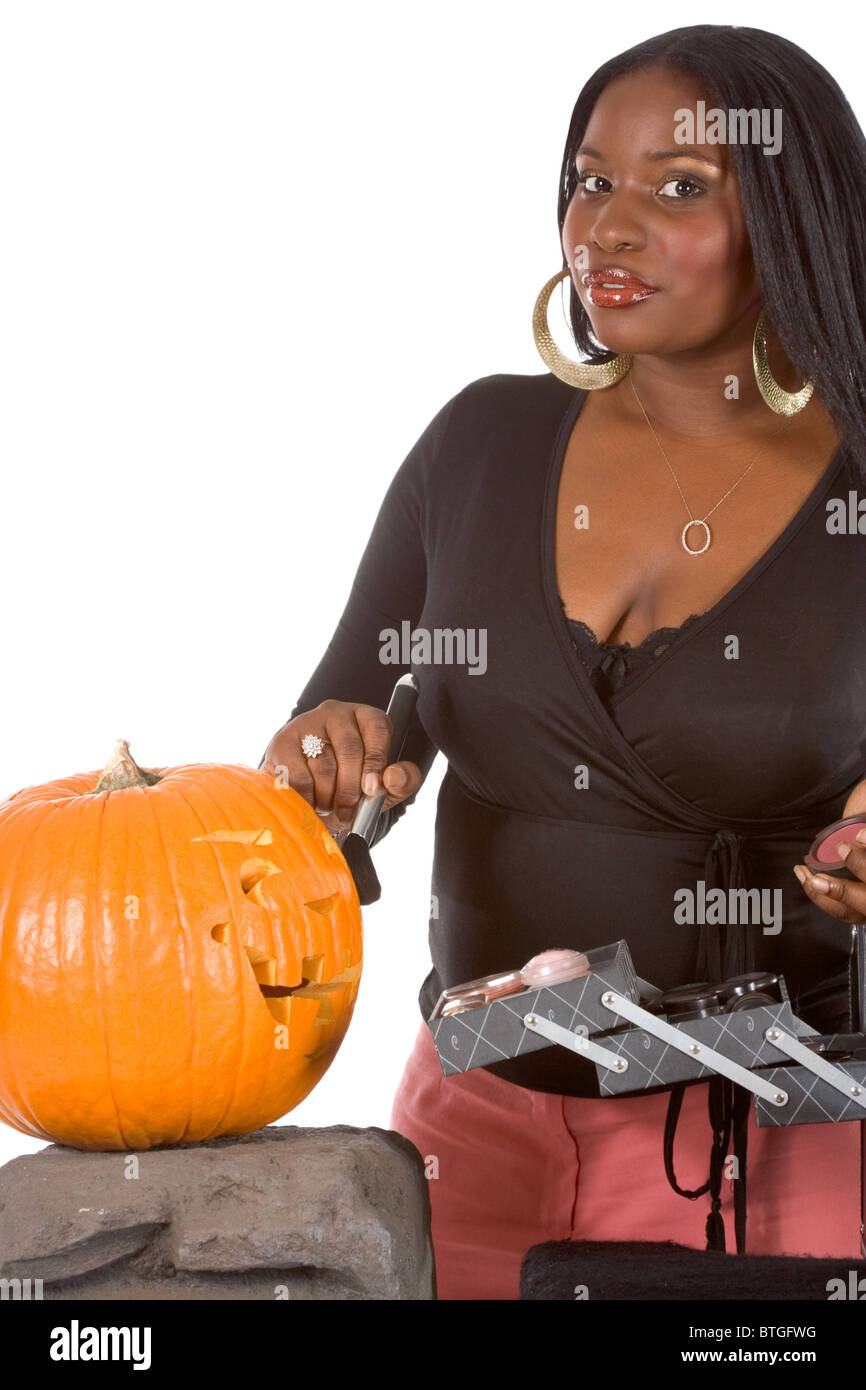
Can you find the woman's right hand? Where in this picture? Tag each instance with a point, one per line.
(335, 779)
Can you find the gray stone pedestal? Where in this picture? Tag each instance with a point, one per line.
(284, 1213)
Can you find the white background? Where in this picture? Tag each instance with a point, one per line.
(248, 250)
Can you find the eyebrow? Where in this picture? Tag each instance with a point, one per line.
(684, 151)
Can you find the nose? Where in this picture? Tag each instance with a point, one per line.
(616, 227)
(609, 243)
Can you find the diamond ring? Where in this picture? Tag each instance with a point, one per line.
(312, 745)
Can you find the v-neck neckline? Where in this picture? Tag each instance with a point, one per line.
(692, 630)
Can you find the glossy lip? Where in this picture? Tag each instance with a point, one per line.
(614, 273)
(611, 287)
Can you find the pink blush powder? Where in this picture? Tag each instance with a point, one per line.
(554, 967)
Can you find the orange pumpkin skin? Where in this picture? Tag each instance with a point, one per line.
(137, 928)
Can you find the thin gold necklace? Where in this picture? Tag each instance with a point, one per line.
(702, 520)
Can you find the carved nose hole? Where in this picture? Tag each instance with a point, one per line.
(253, 871)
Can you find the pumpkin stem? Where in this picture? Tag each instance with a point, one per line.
(122, 771)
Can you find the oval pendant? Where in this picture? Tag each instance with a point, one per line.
(688, 526)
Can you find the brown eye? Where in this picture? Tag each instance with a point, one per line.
(680, 184)
(587, 181)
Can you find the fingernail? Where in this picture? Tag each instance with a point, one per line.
(860, 837)
(820, 884)
(370, 783)
(843, 849)
(397, 776)
(800, 872)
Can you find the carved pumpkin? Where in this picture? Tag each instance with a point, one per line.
(180, 952)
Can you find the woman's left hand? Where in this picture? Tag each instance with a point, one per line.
(843, 898)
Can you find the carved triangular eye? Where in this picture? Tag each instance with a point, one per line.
(237, 837)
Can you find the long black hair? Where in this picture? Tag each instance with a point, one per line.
(804, 207)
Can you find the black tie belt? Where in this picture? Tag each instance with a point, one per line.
(724, 949)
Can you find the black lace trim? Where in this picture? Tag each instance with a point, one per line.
(611, 664)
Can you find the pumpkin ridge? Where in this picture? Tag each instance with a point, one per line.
(29, 1123)
(227, 818)
(83, 809)
(10, 809)
(186, 936)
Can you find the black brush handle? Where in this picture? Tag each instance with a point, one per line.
(401, 706)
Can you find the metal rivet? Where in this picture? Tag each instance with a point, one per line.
(607, 999)
(619, 1064)
(694, 1048)
(772, 1034)
(855, 1090)
(779, 1098)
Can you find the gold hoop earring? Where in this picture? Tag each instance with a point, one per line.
(583, 375)
(780, 401)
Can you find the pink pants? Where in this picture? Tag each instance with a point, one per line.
(508, 1168)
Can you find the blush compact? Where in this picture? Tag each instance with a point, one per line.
(822, 856)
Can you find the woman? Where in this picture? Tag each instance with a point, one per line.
(674, 686)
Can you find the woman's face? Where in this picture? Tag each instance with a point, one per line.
(666, 213)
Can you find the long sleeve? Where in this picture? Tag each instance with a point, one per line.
(388, 589)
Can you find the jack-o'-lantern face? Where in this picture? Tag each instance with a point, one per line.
(182, 950)
(285, 944)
